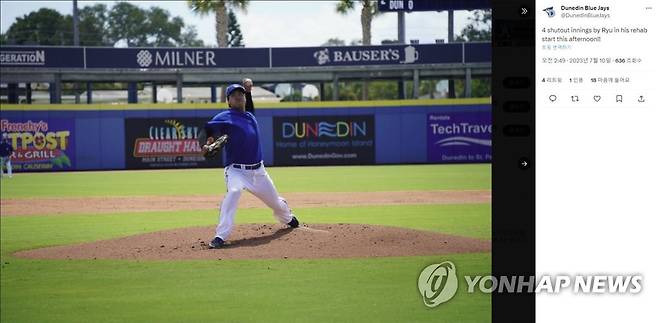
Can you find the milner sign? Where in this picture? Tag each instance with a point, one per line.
(183, 58)
(176, 57)
(169, 58)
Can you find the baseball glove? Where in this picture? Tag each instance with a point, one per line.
(211, 150)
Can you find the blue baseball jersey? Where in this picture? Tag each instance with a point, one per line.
(243, 145)
(5, 149)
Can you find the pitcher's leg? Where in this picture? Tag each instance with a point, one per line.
(228, 207)
(264, 189)
(227, 211)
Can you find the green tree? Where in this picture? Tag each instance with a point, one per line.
(153, 27)
(100, 27)
(354, 90)
(427, 87)
(356, 42)
(383, 90)
(295, 96)
(234, 32)
(349, 91)
(478, 28)
(42, 27)
(334, 42)
(189, 38)
(162, 30)
(128, 23)
(368, 12)
(480, 87)
(219, 8)
(93, 26)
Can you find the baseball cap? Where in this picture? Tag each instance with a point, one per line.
(234, 87)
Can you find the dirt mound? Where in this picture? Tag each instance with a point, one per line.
(270, 241)
(116, 204)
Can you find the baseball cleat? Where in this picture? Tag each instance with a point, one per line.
(216, 243)
(293, 223)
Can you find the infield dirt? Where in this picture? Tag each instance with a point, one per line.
(270, 241)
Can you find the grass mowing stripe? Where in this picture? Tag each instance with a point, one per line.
(473, 220)
(365, 289)
(211, 181)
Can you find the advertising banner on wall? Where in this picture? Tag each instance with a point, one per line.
(459, 137)
(156, 58)
(46, 57)
(324, 140)
(40, 145)
(367, 55)
(165, 143)
(42, 57)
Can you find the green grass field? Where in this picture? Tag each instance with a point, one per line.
(372, 289)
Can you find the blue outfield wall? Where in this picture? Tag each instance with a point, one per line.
(402, 134)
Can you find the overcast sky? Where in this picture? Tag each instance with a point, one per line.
(276, 23)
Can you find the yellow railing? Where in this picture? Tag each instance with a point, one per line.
(259, 105)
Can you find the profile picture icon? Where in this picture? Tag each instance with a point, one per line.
(550, 12)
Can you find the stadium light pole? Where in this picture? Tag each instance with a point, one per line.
(401, 40)
(451, 26)
(76, 30)
(76, 43)
(451, 39)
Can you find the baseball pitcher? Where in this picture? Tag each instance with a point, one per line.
(237, 131)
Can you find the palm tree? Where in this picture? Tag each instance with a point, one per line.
(368, 11)
(220, 9)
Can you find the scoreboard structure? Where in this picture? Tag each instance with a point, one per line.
(431, 5)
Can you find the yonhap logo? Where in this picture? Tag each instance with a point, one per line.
(438, 283)
(144, 58)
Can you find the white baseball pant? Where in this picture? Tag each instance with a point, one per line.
(259, 183)
(5, 163)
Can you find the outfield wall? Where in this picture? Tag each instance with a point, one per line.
(164, 136)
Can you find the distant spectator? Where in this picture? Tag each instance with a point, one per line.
(5, 156)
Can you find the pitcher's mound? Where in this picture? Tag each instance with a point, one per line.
(260, 241)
